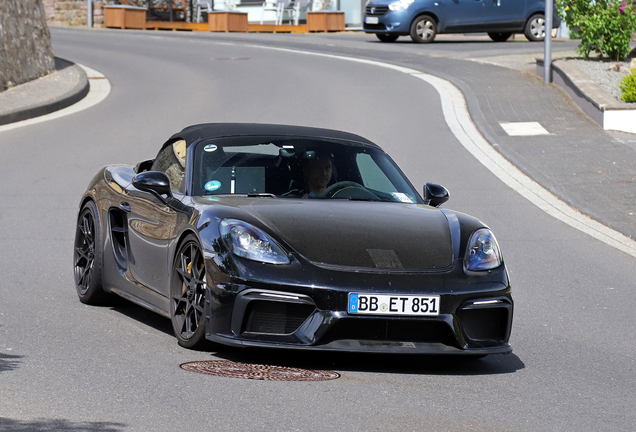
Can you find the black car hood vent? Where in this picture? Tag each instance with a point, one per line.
(390, 236)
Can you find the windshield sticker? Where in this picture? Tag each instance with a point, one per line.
(402, 197)
(213, 198)
(212, 185)
(210, 148)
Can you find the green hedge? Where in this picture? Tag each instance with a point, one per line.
(628, 86)
(604, 26)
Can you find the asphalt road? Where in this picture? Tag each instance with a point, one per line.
(68, 367)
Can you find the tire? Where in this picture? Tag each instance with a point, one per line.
(187, 295)
(387, 37)
(535, 28)
(423, 29)
(87, 256)
(499, 37)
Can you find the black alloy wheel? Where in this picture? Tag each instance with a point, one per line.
(500, 37)
(87, 256)
(387, 37)
(187, 294)
(423, 29)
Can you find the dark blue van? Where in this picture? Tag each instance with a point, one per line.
(423, 19)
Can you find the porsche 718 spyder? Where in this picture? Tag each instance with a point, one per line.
(291, 237)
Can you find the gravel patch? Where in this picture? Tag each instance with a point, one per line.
(603, 74)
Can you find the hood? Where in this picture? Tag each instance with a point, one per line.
(359, 234)
(380, 2)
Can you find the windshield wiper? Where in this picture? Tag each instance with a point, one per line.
(261, 194)
(366, 199)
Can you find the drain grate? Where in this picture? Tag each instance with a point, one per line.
(232, 369)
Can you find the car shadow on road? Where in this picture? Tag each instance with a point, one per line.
(9, 362)
(143, 316)
(454, 42)
(359, 362)
(59, 425)
(377, 363)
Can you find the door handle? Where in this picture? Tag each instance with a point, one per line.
(124, 206)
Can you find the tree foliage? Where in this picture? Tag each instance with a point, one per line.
(605, 26)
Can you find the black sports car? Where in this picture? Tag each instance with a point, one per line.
(291, 237)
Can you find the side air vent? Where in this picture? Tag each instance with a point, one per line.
(272, 317)
(119, 237)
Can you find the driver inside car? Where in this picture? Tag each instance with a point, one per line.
(317, 175)
(314, 171)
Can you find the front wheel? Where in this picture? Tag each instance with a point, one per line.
(499, 37)
(187, 294)
(535, 28)
(387, 37)
(87, 256)
(423, 29)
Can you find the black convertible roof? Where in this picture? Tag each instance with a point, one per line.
(194, 133)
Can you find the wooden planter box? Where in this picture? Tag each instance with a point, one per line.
(226, 21)
(325, 21)
(122, 16)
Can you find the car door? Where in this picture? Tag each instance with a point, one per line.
(502, 15)
(464, 15)
(152, 228)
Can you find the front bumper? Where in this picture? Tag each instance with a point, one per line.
(469, 323)
(393, 22)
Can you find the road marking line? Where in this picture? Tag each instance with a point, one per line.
(523, 128)
(99, 90)
(460, 123)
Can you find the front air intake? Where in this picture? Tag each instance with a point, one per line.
(272, 317)
(485, 323)
(391, 330)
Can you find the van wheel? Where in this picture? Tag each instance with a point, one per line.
(423, 29)
(499, 37)
(535, 28)
(387, 37)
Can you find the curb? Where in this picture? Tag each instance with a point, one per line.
(72, 83)
(608, 112)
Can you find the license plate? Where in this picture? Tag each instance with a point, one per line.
(393, 304)
(371, 20)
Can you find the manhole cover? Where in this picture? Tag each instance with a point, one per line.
(232, 369)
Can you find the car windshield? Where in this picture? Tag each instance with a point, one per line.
(298, 168)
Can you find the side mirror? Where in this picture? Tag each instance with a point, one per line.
(153, 181)
(435, 195)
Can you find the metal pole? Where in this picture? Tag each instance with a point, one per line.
(547, 51)
(89, 13)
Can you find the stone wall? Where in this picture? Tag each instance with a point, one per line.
(25, 42)
(72, 13)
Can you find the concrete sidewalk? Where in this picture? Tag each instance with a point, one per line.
(58, 90)
(590, 169)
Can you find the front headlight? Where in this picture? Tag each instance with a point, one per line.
(249, 242)
(482, 252)
(400, 5)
